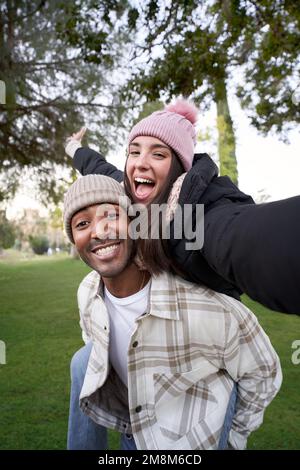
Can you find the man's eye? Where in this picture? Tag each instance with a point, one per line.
(81, 224)
(134, 153)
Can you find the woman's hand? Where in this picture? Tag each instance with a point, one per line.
(77, 135)
(74, 142)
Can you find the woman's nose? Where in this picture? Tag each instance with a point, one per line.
(143, 160)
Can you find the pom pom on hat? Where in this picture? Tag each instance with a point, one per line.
(184, 108)
(175, 126)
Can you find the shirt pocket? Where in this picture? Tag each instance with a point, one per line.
(183, 400)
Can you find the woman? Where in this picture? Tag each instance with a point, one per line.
(248, 248)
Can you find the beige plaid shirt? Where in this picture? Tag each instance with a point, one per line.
(184, 356)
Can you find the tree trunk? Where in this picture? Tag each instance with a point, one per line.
(74, 253)
(226, 137)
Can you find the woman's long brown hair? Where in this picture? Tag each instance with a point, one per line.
(154, 252)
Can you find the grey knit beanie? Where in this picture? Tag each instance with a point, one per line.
(88, 190)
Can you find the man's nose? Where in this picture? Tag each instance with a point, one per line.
(100, 229)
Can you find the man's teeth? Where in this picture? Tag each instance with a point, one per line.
(142, 180)
(106, 250)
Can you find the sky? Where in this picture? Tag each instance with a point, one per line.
(266, 165)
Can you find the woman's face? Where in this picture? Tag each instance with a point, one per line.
(147, 167)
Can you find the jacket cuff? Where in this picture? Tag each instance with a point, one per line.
(71, 147)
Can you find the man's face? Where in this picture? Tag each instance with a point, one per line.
(100, 234)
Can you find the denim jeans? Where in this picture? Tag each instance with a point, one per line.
(85, 434)
(230, 412)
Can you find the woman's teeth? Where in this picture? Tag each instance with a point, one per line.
(142, 180)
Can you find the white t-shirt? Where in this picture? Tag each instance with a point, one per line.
(122, 315)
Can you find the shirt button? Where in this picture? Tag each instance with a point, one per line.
(134, 345)
(138, 409)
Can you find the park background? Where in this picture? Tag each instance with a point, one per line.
(105, 64)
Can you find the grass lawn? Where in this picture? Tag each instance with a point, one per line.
(39, 325)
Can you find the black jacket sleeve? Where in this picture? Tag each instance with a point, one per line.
(88, 162)
(254, 247)
(202, 186)
(257, 248)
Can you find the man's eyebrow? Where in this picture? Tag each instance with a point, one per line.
(80, 212)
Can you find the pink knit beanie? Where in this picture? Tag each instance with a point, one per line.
(174, 125)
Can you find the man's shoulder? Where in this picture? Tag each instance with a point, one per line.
(205, 296)
(88, 287)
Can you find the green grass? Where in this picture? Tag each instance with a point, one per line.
(39, 325)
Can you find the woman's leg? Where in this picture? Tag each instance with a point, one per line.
(83, 432)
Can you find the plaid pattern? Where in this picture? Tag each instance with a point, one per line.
(184, 356)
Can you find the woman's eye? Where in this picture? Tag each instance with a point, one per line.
(160, 155)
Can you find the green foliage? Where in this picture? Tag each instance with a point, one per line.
(59, 61)
(7, 232)
(189, 48)
(56, 60)
(56, 218)
(148, 108)
(226, 140)
(272, 69)
(39, 244)
(133, 15)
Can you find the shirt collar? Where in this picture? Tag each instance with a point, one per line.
(163, 297)
(163, 301)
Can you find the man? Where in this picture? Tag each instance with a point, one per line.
(165, 353)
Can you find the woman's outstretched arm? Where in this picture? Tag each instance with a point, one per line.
(88, 161)
(255, 247)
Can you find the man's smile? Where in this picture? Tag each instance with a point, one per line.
(107, 250)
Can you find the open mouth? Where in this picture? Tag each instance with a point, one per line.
(143, 187)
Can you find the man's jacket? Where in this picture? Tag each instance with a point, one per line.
(185, 354)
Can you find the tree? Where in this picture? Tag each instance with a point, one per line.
(195, 48)
(272, 68)
(39, 244)
(55, 228)
(7, 232)
(57, 62)
(29, 224)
